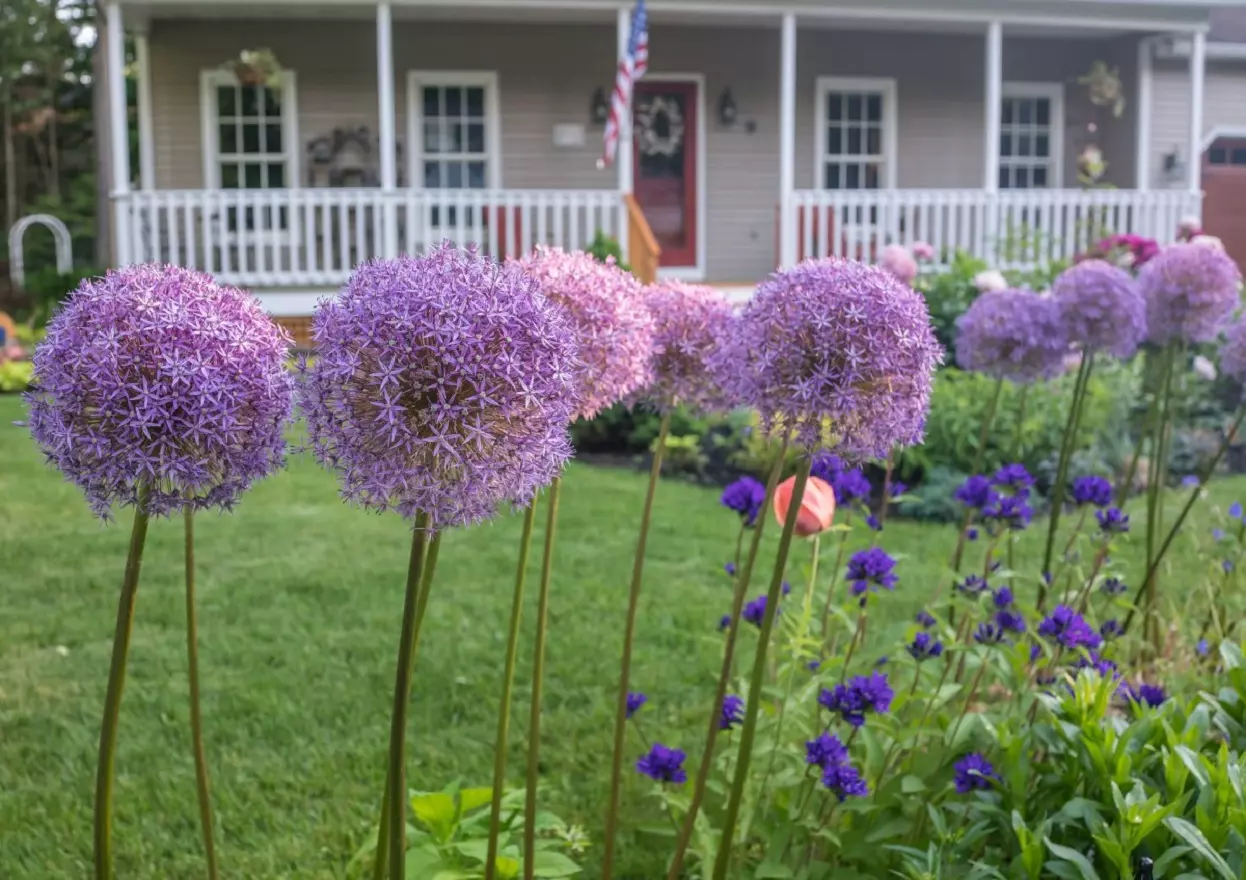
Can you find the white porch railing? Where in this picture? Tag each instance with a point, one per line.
(315, 237)
(1010, 230)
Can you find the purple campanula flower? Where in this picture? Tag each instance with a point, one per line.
(1092, 490)
(971, 534)
(1013, 477)
(974, 771)
(925, 618)
(1112, 521)
(1069, 629)
(898, 489)
(870, 569)
(1010, 621)
(1003, 597)
(1191, 292)
(729, 568)
(875, 525)
(755, 611)
(732, 712)
(860, 695)
(813, 665)
(1012, 334)
(689, 321)
(1217, 534)
(157, 379)
(745, 496)
(825, 750)
(989, 633)
(844, 780)
(724, 623)
(1113, 587)
(850, 486)
(972, 586)
(882, 661)
(663, 764)
(826, 466)
(834, 342)
(1235, 510)
(1202, 649)
(975, 492)
(1145, 694)
(1110, 629)
(925, 646)
(785, 588)
(634, 701)
(1227, 565)
(1096, 661)
(1101, 307)
(1189, 481)
(1011, 510)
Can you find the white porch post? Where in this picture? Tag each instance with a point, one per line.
(1142, 158)
(146, 132)
(1194, 167)
(385, 126)
(118, 133)
(623, 154)
(994, 104)
(787, 140)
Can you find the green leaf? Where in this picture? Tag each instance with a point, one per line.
(912, 784)
(508, 868)
(773, 871)
(436, 812)
(1170, 855)
(422, 862)
(1191, 835)
(552, 864)
(888, 830)
(474, 798)
(1083, 865)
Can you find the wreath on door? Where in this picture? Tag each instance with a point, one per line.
(648, 117)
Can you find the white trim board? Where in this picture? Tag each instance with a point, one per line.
(885, 85)
(208, 116)
(1217, 132)
(488, 80)
(1054, 92)
(697, 272)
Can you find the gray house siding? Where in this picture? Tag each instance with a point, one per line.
(1224, 105)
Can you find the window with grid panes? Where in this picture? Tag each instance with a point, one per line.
(251, 148)
(856, 136)
(1027, 140)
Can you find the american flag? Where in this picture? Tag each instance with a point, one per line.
(632, 66)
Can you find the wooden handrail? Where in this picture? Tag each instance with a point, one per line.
(642, 248)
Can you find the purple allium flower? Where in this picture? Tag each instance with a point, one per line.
(975, 492)
(971, 534)
(689, 321)
(634, 701)
(732, 713)
(925, 646)
(729, 568)
(724, 623)
(897, 260)
(1113, 520)
(663, 764)
(870, 569)
(860, 695)
(1092, 490)
(442, 384)
(845, 780)
(1012, 511)
(988, 633)
(1014, 477)
(1101, 307)
(1233, 351)
(974, 771)
(605, 307)
(1010, 621)
(1012, 334)
(1113, 587)
(1191, 292)
(972, 586)
(755, 611)
(1069, 629)
(1003, 597)
(925, 618)
(1146, 694)
(834, 343)
(850, 485)
(825, 750)
(874, 523)
(745, 496)
(157, 376)
(1110, 629)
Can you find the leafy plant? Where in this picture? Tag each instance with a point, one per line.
(604, 247)
(47, 288)
(16, 375)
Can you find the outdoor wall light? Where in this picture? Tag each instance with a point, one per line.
(727, 110)
(600, 111)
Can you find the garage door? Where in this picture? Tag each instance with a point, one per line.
(1224, 200)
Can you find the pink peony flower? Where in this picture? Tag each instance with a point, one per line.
(897, 260)
(923, 251)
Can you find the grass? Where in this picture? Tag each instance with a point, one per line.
(300, 605)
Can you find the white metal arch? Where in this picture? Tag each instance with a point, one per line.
(64, 245)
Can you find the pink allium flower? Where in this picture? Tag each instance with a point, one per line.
(897, 260)
(607, 312)
(839, 352)
(442, 384)
(990, 279)
(689, 322)
(1012, 334)
(1233, 351)
(156, 375)
(1191, 292)
(923, 251)
(1101, 307)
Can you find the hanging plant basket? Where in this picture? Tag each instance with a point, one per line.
(256, 67)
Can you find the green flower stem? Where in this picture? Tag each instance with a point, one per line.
(396, 780)
(105, 771)
(830, 590)
(1083, 596)
(882, 773)
(749, 731)
(1152, 413)
(1015, 452)
(196, 717)
(983, 435)
(1067, 448)
(508, 679)
(629, 634)
(1185, 511)
(1156, 473)
(538, 682)
(724, 677)
(857, 636)
(973, 692)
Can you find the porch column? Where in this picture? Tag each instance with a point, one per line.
(385, 124)
(118, 132)
(623, 153)
(1198, 57)
(787, 140)
(1142, 157)
(146, 131)
(994, 103)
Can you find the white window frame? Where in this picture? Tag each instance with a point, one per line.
(486, 79)
(886, 86)
(209, 80)
(1053, 92)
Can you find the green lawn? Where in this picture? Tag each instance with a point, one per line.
(300, 604)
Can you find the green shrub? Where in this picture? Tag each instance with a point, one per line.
(15, 376)
(47, 288)
(604, 246)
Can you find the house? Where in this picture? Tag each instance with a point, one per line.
(763, 133)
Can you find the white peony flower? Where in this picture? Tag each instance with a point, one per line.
(1205, 368)
(990, 279)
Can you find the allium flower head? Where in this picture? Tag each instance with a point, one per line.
(924, 646)
(973, 772)
(1191, 291)
(156, 376)
(975, 492)
(871, 569)
(1101, 307)
(609, 319)
(634, 701)
(865, 693)
(1233, 351)
(1069, 629)
(1012, 334)
(663, 764)
(689, 321)
(745, 496)
(839, 352)
(442, 384)
(1092, 490)
(897, 260)
(732, 713)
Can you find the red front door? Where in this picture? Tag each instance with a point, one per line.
(664, 144)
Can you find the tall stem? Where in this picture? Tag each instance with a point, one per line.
(508, 679)
(1122, 491)
(724, 676)
(116, 684)
(1062, 468)
(983, 434)
(1015, 452)
(538, 682)
(830, 589)
(396, 780)
(629, 633)
(1157, 473)
(196, 717)
(749, 731)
